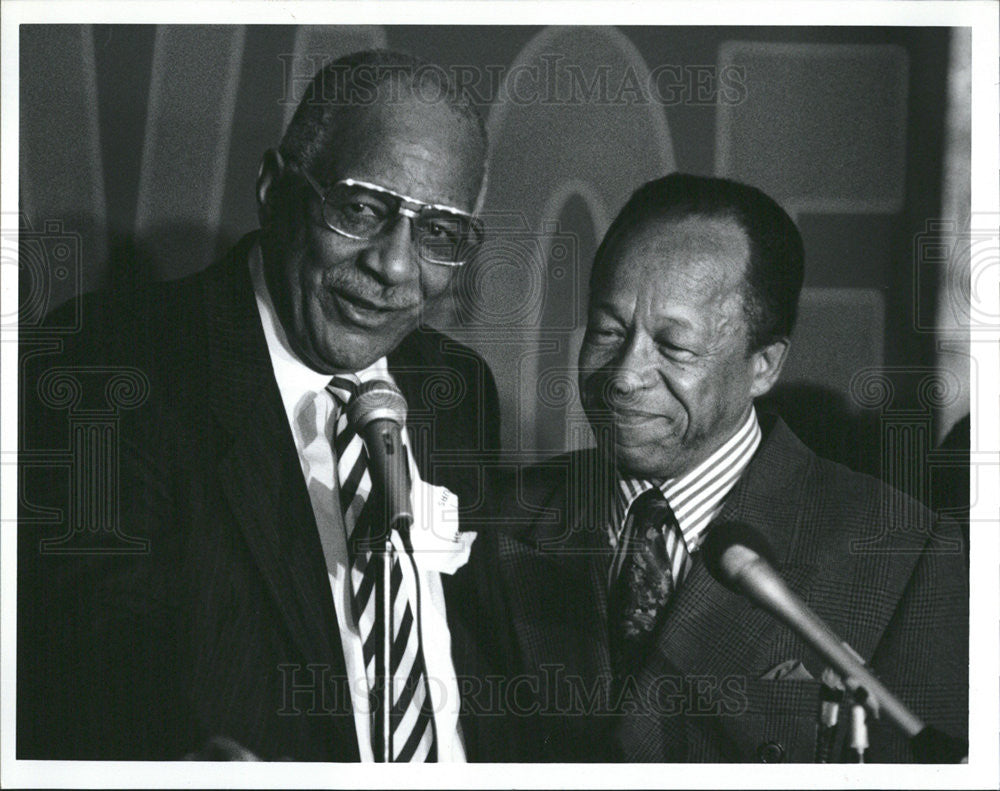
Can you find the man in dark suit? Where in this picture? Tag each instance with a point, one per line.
(627, 649)
(189, 587)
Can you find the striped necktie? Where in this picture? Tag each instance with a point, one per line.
(404, 730)
(656, 560)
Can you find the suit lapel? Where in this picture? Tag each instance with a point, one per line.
(408, 366)
(266, 495)
(466, 652)
(556, 572)
(260, 474)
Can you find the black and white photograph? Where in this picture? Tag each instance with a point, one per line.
(562, 394)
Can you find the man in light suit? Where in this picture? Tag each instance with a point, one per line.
(624, 647)
(193, 594)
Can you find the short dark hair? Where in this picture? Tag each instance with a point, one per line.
(777, 258)
(353, 81)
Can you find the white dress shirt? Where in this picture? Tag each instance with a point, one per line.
(311, 416)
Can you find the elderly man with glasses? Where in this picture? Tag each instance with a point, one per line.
(250, 622)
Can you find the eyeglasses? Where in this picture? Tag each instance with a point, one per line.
(360, 210)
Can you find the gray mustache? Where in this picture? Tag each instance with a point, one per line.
(393, 298)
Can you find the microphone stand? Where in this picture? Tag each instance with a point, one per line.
(929, 744)
(378, 413)
(387, 647)
(831, 696)
(859, 727)
(398, 518)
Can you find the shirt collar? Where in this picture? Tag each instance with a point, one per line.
(297, 382)
(696, 496)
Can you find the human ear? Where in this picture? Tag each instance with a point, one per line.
(272, 166)
(767, 363)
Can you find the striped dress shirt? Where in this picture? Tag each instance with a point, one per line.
(695, 498)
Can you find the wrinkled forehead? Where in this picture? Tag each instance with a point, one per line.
(414, 146)
(681, 258)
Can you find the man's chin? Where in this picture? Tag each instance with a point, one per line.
(346, 361)
(645, 434)
(349, 351)
(644, 466)
(648, 458)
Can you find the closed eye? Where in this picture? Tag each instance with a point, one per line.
(604, 333)
(673, 350)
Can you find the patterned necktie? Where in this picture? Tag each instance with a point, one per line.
(656, 561)
(408, 734)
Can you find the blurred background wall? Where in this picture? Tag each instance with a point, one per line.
(139, 148)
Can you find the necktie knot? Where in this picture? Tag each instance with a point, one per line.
(652, 508)
(343, 387)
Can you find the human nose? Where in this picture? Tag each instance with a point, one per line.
(632, 374)
(392, 258)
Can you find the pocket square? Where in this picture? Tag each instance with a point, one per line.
(789, 670)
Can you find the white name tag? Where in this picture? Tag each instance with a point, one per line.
(437, 543)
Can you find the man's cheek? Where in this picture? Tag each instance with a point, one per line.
(434, 285)
(590, 392)
(593, 364)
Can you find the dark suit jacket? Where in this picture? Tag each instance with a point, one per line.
(879, 568)
(182, 592)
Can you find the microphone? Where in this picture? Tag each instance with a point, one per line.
(378, 413)
(737, 556)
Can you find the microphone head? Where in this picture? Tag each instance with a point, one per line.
(376, 400)
(729, 547)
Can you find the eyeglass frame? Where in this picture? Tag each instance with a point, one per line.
(403, 210)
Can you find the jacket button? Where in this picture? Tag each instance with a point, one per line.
(770, 753)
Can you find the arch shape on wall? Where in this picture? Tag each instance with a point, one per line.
(573, 117)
